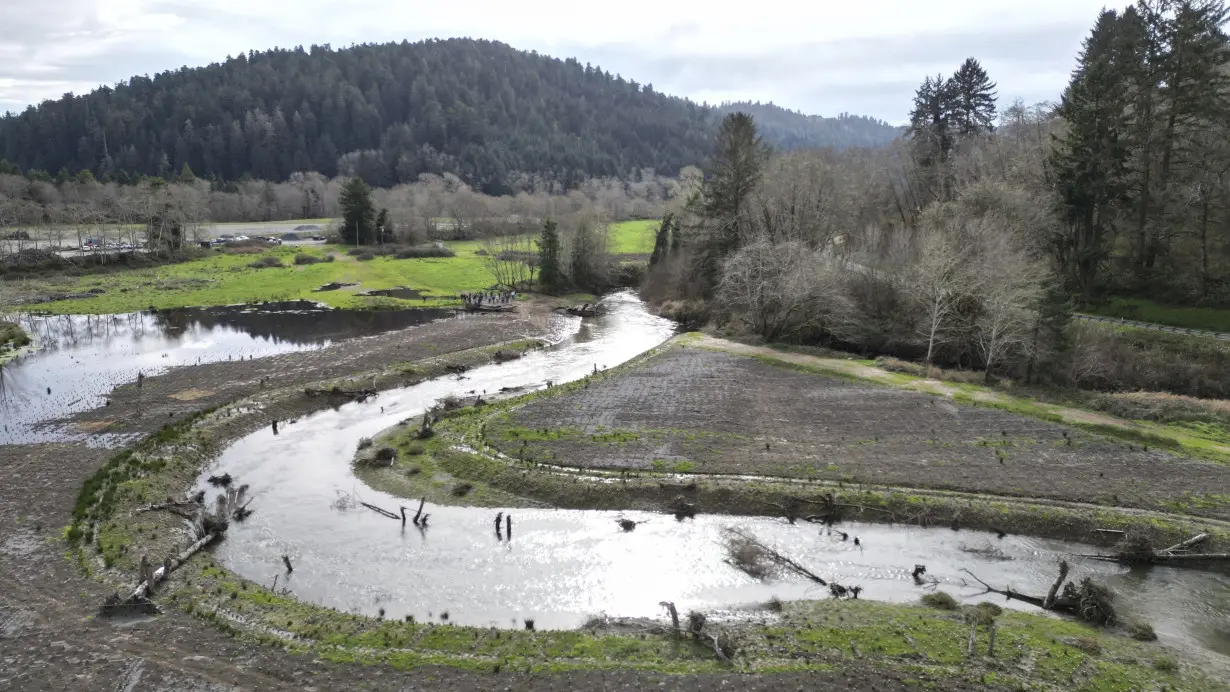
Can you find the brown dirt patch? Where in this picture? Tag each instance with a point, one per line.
(706, 411)
(192, 394)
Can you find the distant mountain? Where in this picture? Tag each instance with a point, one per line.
(787, 129)
(479, 109)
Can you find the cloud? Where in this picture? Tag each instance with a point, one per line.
(817, 57)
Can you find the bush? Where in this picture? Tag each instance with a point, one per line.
(424, 251)
(305, 258)
(1141, 631)
(940, 600)
(366, 256)
(1166, 664)
(462, 489)
(690, 314)
(12, 335)
(266, 262)
(329, 258)
(416, 448)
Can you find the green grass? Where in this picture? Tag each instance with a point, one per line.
(1208, 319)
(632, 237)
(223, 279)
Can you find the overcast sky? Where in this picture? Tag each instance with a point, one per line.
(821, 57)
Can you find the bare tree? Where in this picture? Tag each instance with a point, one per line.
(511, 259)
(941, 279)
(1009, 288)
(778, 290)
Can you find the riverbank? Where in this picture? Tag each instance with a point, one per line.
(865, 640)
(804, 643)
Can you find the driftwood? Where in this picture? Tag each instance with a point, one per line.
(339, 392)
(748, 554)
(150, 578)
(1088, 601)
(378, 510)
(207, 527)
(1134, 550)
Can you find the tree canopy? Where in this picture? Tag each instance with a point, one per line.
(481, 110)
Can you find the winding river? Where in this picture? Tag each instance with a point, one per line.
(561, 567)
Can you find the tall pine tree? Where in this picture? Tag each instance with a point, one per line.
(662, 242)
(550, 273)
(358, 212)
(972, 105)
(1089, 159)
(734, 172)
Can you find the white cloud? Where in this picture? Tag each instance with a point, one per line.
(824, 57)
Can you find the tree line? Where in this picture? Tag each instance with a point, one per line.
(493, 116)
(970, 243)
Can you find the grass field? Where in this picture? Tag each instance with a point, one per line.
(223, 279)
(227, 279)
(1209, 319)
(632, 237)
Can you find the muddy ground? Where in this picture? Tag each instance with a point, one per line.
(50, 639)
(704, 411)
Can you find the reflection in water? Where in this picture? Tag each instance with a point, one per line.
(79, 359)
(563, 566)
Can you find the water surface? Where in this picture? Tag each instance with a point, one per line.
(561, 566)
(78, 359)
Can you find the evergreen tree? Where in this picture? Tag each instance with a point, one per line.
(972, 94)
(358, 213)
(662, 242)
(550, 274)
(734, 172)
(185, 174)
(1089, 159)
(383, 228)
(931, 121)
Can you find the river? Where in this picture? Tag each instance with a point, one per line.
(561, 567)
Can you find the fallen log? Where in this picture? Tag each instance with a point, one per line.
(142, 593)
(1134, 550)
(1183, 545)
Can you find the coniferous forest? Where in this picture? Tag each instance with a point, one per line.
(480, 110)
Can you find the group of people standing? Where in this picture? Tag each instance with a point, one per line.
(488, 298)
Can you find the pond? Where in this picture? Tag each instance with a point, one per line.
(78, 359)
(561, 567)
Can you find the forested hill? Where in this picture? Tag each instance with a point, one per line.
(480, 109)
(787, 129)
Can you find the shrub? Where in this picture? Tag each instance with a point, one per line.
(329, 258)
(424, 251)
(904, 367)
(266, 262)
(1141, 631)
(1166, 664)
(416, 448)
(462, 489)
(366, 256)
(940, 600)
(365, 442)
(690, 314)
(305, 258)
